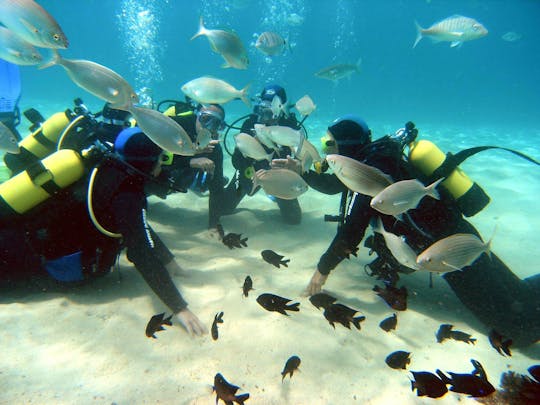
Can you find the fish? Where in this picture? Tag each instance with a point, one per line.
(155, 324)
(474, 384)
(428, 384)
(32, 23)
(398, 360)
(248, 286)
(305, 105)
(452, 253)
(278, 106)
(227, 392)
(398, 246)
(251, 147)
(337, 72)
(281, 183)
(227, 44)
(357, 176)
(209, 90)
(499, 343)
(322, 300)
(263, 137)
(294, 20)
(402, 196)
(281, 135)
(218, 318)
(445, 332)
(271, 43)
(8, 140)
(511, 36)
(291, 365)
(234, 240)
(163, 131)
(97, 79)
(455, 29)
(344, 315)
(273, 258)
(396, 298)
(389, 323)
(16, 50)
(308, 152)
(275, 303)
(535, 372)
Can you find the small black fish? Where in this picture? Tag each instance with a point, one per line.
(398, 360)
(248, 286)
(290, 366)
(342, 314)
(155, 324)
(322, 300)
(445, 332)
(273, 258)
(474, 384)
(275, 303)
(499, 343)
(428, 384)
(389, 323)
(535, 372)
(396, 298)
(227, 392)
(218, 318)
(234, 240)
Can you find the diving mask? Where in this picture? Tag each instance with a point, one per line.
(264, 111)
(211, 120)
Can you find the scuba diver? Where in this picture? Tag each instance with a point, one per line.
(242, 183)
(10, 93)
(77, 233)
(487, 287)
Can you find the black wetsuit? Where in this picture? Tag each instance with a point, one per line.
(487, 287)
(61, 226)
(242, 184)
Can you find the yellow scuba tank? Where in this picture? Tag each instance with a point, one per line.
(42, 142)
(426, 157)
(39, 181)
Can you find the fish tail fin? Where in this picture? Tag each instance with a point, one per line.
(505, 346)
(284, 262)
(356, 321)
(377, 225)
(55, 60)
(419, 35)
(443, 377)
(244, 96)
(168, 321)
(293, 307)
(432, 189)
(201, 30)
(488, 244)
(240, 399)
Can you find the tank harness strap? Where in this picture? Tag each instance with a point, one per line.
(37, 169)
(42, 139)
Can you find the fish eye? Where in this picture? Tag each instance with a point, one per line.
(475, 27)
(56, 37)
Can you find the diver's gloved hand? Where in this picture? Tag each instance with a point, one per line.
(191, 323)
(289, 163)
(204, 164)
(316, 283)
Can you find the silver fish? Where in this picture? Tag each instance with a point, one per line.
(250, 147)
(398, 246)
(305, 105)
(340, 71)
(281, 183)
(277, 106)
(227, 44)
(307, 154)
(16, 50)
(263, 137)
(281, 135)
(403, 196)
(358, 176)
(8, 141)
(163, 131)
(33, 23)
(455, 29)
(208, 90)
(511, 36)
(97, 79)
(452, 253)
(271, 43)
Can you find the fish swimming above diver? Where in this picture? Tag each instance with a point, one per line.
(291, 365)
(305, 105)
(227, 392)
(339, 71)
(344, 315)
(155, 324)
(218, 318)
(248, 286)
(455, 29)
(275, 303)
(271, 43)
(16, 50)
(274, 259)
(398, 360)
(209, 90)
(445, 332)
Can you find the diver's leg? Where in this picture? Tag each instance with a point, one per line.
(290, 211)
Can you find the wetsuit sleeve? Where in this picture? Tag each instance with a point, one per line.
(324, 182)
(145, 250)
(348, 235)
(215, 187)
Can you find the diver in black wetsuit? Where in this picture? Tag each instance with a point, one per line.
(242, 184)
(58, 238)
(490, 290)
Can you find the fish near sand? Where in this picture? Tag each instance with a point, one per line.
(227, 392)
(234, 240)
(33, 23)
(474, 384)
(428, 384)
(281, 183)
(209, 90)
(452, 253)
(337, 72)
(398, 360)
(275, 303)
(291, 365)
(398, 246)
(8, 141)
(344, 315)
(396, 298)
(445, 332)
(248, 286)
(322, 300)
(155, 324)
(271, 43)
(389, 323)
(16, 50)
(274, 259)
(455, 29)
(499, 343)
(218, 318)
(227, 44)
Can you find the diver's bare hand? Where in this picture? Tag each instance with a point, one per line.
(204, 164)
(210, 147)
(289, 163)
(316, 283)
(191, 323)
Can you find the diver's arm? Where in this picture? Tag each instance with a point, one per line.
(324, 182)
